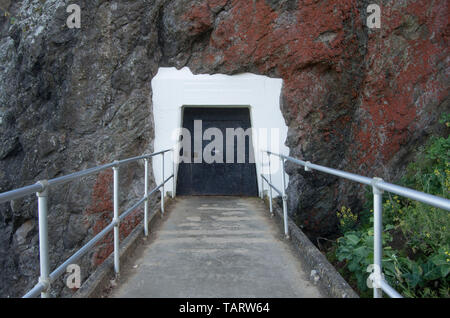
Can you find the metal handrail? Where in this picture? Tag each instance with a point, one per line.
(38, 187)
(41, 189)
(378, 187)
(393, 188)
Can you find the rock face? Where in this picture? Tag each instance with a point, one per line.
(355, 99)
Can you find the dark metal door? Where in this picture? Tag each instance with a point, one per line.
(218, 178)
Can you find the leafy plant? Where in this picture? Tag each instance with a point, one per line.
(422, 278)
(420, 266)
(356, 248)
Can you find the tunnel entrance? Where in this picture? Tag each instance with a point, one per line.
(174, 91)
(219, 158)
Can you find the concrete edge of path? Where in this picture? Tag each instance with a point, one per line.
(99, 280)
(331, 282)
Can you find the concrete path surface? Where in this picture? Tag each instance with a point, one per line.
(217, 247)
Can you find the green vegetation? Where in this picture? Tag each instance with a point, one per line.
(416, 238)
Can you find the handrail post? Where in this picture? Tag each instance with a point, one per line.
(285, 216)
(162, 188)
(43, 238)
(270, 188)
(174, 169)
(146, 197)
(262, 171)
(377, 240)
(116, 219)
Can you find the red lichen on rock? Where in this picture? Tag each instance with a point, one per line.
(295, 43)
(100, 213)
(101, 200)
(199, 19)
(403, 62)
(254, 33)
(106, 245)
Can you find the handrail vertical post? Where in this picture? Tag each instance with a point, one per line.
(378, 240)
(116, 220)
(162, 188)
(146, 197)
(262, 171)
(285, 216)
(43, 238)
(174, 169)
(270, 188)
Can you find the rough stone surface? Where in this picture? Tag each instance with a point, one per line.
(353, 98)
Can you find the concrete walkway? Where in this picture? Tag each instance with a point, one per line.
(217, 247)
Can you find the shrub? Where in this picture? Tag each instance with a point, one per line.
(356, 248)
(421, 265)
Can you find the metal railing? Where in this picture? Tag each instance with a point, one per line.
(378, 187)
(41, 189)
